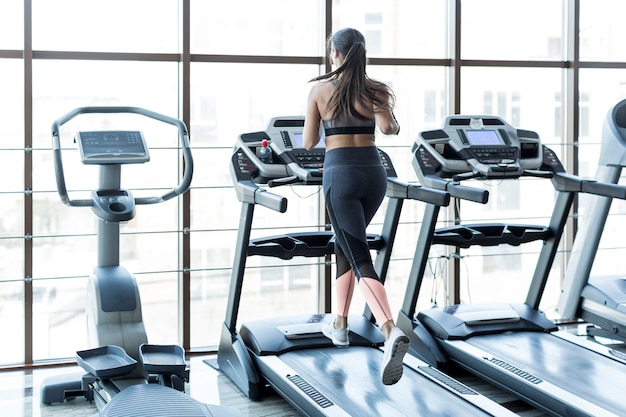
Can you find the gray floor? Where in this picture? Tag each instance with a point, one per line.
(20, 394)
(20, 391)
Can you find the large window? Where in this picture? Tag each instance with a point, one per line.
(601, 40)
(504, 30)
(12, 208)
(226, 68)
(146, 26)
(602, 89)
(397, 29)
(64, 243)
(253, 94)
(270, 28)
(602, 35)
(11, 25)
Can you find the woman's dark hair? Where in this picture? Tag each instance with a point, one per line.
(353, 86)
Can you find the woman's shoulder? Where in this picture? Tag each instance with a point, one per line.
(322, 90)
(323, 85)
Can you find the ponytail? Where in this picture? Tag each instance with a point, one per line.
(353, 86)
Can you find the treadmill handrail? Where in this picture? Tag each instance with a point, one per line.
(276, 182)
(249, 192)
(457, 190)
(603, 189)
(183, 135)
(403, 190)
(573, 183)
(270, 200)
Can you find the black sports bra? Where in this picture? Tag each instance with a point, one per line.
(349, 126)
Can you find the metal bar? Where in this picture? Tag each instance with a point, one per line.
(571, 119)
(185, 85)
(239, 266)
(420, 259)
(28, 184)
(548, 251)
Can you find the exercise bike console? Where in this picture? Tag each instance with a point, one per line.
(112, 147)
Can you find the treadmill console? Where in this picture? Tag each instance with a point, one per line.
(290, 157)
(112, 147)
(484, 147)
(292, 162)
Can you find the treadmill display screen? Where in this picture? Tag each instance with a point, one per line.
(299, 143)
(483, 137)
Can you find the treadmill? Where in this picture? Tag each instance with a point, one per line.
(599, 300)
(289, 354)
(513, 346)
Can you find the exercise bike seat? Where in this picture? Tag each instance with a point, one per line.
(150, 400)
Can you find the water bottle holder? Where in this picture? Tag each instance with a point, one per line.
(265, 155)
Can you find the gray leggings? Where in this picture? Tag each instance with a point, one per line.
(355, 183)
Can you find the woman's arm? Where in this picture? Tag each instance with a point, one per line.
(311, 133)
(386, 121)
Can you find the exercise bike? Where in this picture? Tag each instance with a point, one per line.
(125, 375)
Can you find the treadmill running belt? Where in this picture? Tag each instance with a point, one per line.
(573, 368)
(350, 377)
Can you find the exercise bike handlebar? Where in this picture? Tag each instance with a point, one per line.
(183, 135)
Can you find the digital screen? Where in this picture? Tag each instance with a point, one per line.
(111, 142)
(483, 137)
(298, 142)
(109, 147)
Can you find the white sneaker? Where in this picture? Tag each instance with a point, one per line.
(340, 337)
(395, 348)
